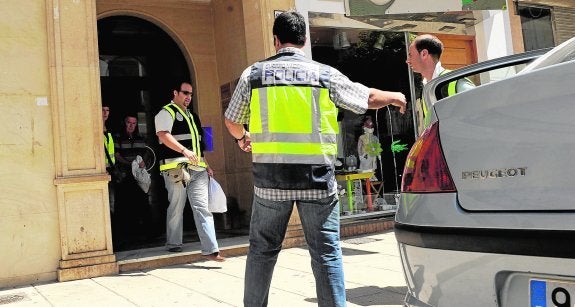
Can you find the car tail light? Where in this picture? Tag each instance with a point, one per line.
(425, 169)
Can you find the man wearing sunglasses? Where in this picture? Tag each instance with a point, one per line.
(185, 171)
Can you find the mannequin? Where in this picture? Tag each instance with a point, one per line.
(368, 147)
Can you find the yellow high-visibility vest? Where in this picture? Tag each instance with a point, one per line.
(109, 147)
(451, 90)
(293, 124)
(187, 134)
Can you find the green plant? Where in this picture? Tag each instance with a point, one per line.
(373, 149)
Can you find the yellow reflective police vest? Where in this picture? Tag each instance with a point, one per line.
(451, 90)
(109, 149)
(293, 123)
(186, 132)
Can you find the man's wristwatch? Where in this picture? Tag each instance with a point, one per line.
(243, 137)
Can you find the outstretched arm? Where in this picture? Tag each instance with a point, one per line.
(379, 99)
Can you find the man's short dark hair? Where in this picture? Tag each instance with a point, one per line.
(131, 114)
(289, 27)
(433, 45)
(177, 86)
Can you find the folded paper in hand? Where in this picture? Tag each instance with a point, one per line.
(141, 175)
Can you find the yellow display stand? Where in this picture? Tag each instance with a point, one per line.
(349, 178)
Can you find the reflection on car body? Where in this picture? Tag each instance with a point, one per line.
(487, 210)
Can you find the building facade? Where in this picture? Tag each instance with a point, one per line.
(54, 213)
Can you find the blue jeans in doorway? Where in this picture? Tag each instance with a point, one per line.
(320, 222)
(196, 192)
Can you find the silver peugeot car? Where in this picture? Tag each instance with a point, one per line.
(487, 208)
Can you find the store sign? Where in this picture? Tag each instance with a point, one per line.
(382, 7)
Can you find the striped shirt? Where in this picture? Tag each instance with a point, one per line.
(343, 92)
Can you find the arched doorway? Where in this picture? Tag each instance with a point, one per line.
(139, 62)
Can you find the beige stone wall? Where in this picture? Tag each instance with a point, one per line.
(29, 244)
(53, 186)
(80, 178)
(54, 205)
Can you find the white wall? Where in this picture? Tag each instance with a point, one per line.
(411, 6)
(325, 6)
(493, 39)
(321, 6)
(493, 35)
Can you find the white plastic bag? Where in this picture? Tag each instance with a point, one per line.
(217, 201)
(141, 175)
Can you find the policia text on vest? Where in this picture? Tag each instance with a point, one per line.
(293, 145)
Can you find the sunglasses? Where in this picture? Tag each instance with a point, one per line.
(186, 93)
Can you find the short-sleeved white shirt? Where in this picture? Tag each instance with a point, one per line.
(163, 121)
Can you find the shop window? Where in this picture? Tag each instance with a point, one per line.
(375, 59)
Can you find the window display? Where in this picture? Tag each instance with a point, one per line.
(372, 147)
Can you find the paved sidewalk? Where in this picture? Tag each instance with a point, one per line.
(372, 272)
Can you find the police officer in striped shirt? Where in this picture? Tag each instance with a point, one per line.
(290, 103)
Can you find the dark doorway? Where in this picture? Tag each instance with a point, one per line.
(139, 62)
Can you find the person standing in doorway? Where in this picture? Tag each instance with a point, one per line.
(132, 202)
(290, 104)
(109, 155)
(185, 171)
(129, 143)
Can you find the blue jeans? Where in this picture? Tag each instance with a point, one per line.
(197, 193)
(320, 221)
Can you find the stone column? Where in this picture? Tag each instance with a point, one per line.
(81, 180)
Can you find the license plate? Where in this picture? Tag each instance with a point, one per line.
(551, 293)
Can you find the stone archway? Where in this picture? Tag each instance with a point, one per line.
(139, 62)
